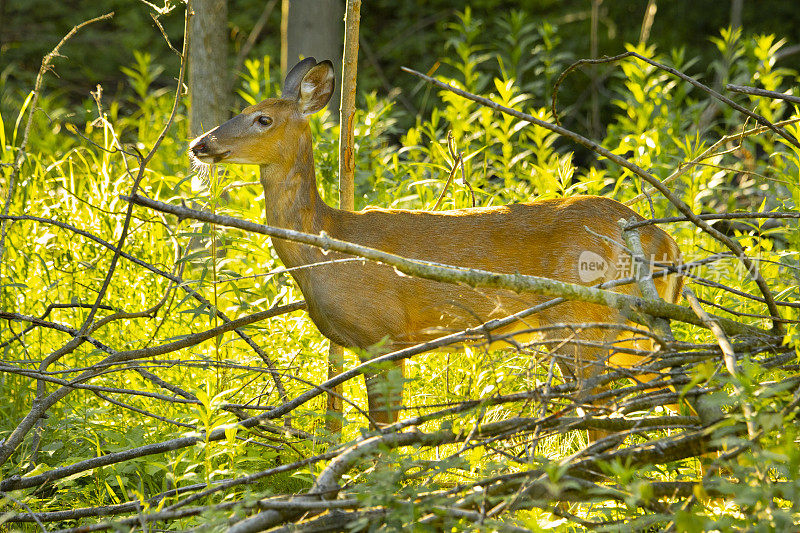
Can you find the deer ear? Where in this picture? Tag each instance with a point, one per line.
(316, 88)
(291, 86)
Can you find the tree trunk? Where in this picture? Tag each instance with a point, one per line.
(736, 13)
(209, 84)
(313, 28)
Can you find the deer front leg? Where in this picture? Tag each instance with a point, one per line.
(384, 391)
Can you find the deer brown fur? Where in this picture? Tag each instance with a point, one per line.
(364, 305)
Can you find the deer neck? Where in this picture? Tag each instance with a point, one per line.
(293, 202)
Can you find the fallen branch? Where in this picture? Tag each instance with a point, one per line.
(537, 484)
(628, 305)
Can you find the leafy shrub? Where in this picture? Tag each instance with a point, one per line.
(75, 173)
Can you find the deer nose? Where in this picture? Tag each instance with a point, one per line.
(199, 147)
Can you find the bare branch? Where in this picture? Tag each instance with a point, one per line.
(763, 92)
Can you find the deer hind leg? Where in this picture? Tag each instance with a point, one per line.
(384, 390)
(583, 364)
(629, 360)
(583, 354)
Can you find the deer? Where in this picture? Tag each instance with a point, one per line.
(371, 308)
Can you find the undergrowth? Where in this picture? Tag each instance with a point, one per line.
(75, 173)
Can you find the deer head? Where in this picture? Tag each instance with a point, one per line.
(267, 133)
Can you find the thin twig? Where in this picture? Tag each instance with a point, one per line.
(457, 161)
(762, 92)
(718, 216)
(185, 285)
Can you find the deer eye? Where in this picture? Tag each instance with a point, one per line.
(264, 120)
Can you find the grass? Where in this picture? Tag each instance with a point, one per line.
(78, 178)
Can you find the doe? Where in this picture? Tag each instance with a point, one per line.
(364, 305)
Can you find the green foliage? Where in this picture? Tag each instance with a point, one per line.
(75, 172)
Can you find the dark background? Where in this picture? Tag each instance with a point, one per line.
(398, 33)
